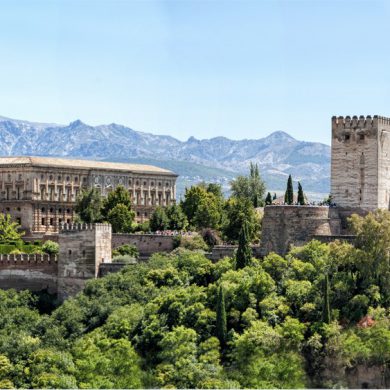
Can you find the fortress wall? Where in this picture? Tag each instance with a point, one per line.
(29, 272)
(147, 244)
(82, 248)
(221, 251)
(284, 226)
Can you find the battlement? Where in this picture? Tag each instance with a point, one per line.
(76, 227)
(361, 122)
(27, 260)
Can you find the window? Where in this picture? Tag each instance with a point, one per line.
(19, 220)
(159, 184)
(43, 209)
(51, 177)
(68, 220)
(68, 211)
(43, 222)
(146, 214)
(70, 251)
(76, 179)
(18, 209)
(51, 221)
(59, 220)
(60, 210)
(144, 183)
(361, 137)
(347, 137)
(137, 213)
(51, 210)
(152, 183)
(59, 178)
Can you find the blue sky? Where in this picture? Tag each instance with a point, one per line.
(239, 69)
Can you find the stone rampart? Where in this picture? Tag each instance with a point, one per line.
(29, 272)
(147, 244)
(284, 226)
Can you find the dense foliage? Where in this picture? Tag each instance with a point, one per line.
(180, 320)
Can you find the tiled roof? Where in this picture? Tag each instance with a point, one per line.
(82, 164)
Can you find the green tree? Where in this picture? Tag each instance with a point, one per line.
(251, 187)
(208, 213)
(103, 362)
(237, 211)
(177, 218)
(221, 317)
(89, 206)
(268, 199)
(326, 314)
(159, 220)
(203, 205)
(119, 196)
(289, 194)
(121, 218)
(301, 196)
(9, 229)
(244, 251)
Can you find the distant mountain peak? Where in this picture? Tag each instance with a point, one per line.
(76, 123)
(279, 135)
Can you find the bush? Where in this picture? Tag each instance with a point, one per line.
(126, 249)
(211, 237)
(193, 243)
(50, 247)
(124, 259)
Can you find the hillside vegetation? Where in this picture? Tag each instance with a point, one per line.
(181, 321)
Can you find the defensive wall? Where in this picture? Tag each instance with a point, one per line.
(220, 251)
(29, 272)
(147, 244)
(284, 226)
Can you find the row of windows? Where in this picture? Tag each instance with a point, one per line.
(43, 209)
(67, 178)
(50, 221)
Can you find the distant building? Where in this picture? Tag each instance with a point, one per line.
(40, 192)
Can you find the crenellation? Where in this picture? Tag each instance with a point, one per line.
(27, 259)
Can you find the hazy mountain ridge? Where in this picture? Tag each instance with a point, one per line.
(277, 154)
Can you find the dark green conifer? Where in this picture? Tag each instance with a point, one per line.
(301, 196)
(244, 251)
(268, 199)
(221, 317)
(326, 315)
(274, 197)
(289, 195)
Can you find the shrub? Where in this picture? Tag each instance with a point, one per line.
(126, 249)
(193, 243)
(50, 247)
(124, 259)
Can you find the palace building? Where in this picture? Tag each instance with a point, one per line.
(40, 192)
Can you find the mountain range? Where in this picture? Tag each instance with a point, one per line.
(217, 159)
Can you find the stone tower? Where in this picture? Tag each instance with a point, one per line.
(83, 247)
(360, 177)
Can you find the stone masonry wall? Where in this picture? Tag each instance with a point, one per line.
(284, 226)
(82, 248)
(147, 244)
(29, 272)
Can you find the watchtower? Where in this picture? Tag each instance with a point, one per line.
(360, 177)
(83, 247)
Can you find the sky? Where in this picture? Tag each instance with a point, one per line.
(239, 69)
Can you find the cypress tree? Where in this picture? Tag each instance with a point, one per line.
(244, 251)
(268, 199)
(289, 195)
(274, 197)
(221, 317)
(301, 196)
(326, 316)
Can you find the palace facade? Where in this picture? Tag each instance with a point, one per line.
(40, 192)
